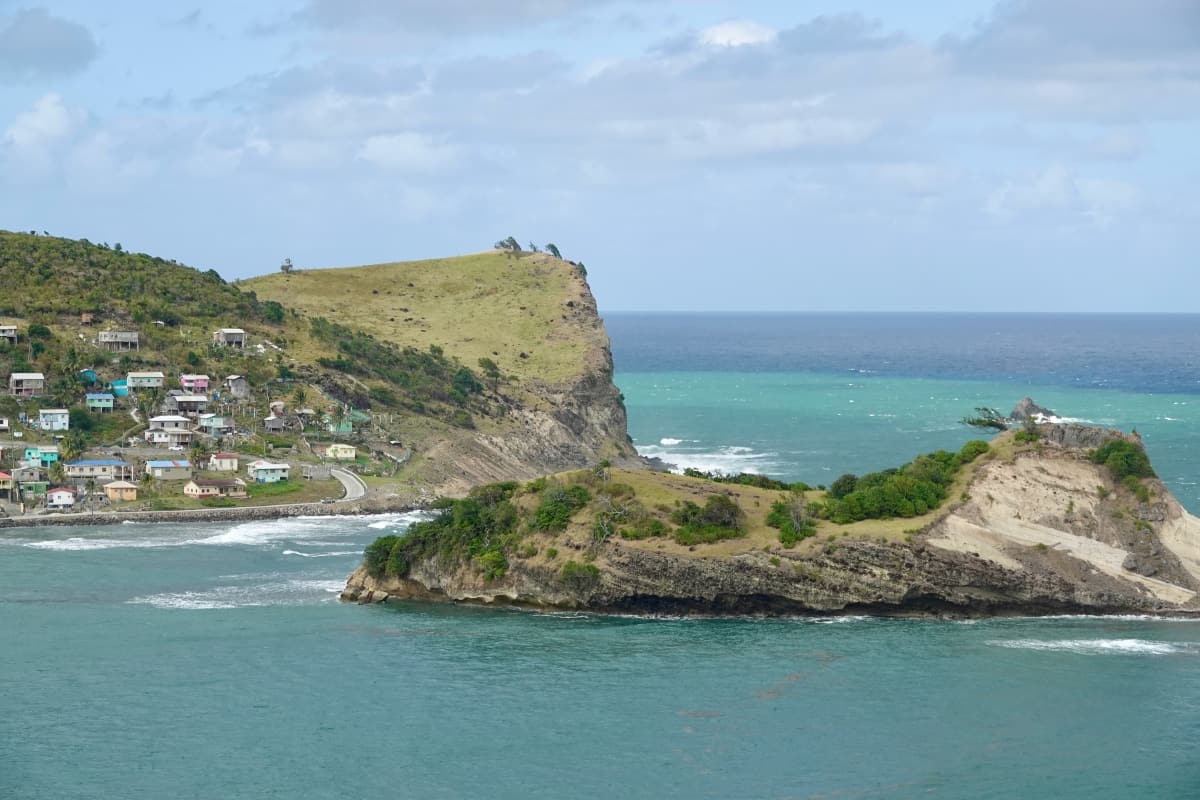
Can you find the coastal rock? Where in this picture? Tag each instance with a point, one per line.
(1027, 409)
(1004, 547)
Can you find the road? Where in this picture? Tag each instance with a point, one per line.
(355, 488)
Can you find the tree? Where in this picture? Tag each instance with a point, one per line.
(286, 266)
(552, 249)
(533, 248)
(299, 396)
(510, 245)
(987, 418)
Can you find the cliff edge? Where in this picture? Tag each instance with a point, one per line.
(1033, 526)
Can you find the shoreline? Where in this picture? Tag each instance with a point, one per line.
(339, 508)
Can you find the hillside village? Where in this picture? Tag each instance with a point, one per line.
(107, 437)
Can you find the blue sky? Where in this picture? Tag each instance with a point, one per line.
(695, 154)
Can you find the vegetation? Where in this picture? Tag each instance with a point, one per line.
(719, 518)
(907, 491)
(1123, 459)
(746, 479)
(987, 418)
(793, 518)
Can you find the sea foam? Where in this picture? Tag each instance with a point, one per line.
(1095, 646)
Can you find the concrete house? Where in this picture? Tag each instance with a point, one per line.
(61, 498)
(237, 386)
(6, 484)
(215, 487)
(118, 340)
(145, 380)
(44, 454)
(214, 424)
(194, 383)
(179, 470)
(229, 337)
(4, 424)
(169, 430)
(99, 469)
(190, 404)
(9, 333)
(99, 401)
(267, 472)
(54, 419)
(223, 462)
(26, 384)
(341, 452)
(27, 473)
(121, 491)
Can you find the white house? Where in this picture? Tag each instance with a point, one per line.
(223, 462)
(267, 472)
(9, 333)
(54, 419)
(61, 497)
(341, 452)
(145, 380)
(170, 430)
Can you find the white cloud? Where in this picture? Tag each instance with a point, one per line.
(34, 139)
(408, 152)
(1059, 194)
(737, 33)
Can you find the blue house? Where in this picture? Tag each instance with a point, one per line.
(45, 453)
(99, 401)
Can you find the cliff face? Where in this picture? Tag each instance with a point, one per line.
(1042, 530)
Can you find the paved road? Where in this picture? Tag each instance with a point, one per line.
(355, 488)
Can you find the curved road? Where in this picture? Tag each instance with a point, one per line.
(355, 488)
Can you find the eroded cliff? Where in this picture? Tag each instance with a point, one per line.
(1037, 528)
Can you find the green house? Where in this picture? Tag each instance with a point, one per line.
(99, 401)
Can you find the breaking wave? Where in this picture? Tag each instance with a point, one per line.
(1094, 647)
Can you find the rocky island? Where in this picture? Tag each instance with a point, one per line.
(1051, 519)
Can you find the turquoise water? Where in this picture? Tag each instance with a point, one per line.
(213, 661)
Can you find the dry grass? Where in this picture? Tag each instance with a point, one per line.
(488, 305)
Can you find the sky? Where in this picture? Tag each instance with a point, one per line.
(825, 155)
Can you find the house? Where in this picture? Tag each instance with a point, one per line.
(229, 337)
(237, 386)
(346, 424)
(35, 488)
(26, 384)
(170, 430)
(3, 423)
(121, 491)
(9, 333)
(316, 472)
(61, 497)
(214, 424)
(145, 380)
(190, 404)
(341, 452)
(6, 484)
(223, 462)
(267, 472)
(44, 454)
(99, 401)
(215, 487)
(100, 469)
(54, 419)
(274, 424)
(118, 340)
(194, 383)
(27, 473)
(177, 470)
(87, 318)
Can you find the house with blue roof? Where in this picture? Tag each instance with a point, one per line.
(99, 401)
(99, 469)
(170, 470)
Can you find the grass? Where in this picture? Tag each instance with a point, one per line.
(486, 305)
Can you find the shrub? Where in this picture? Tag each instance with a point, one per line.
(1139, 489)
(557, 506)
(1123, 458)
(648, 528)
(972, 450)
(579, 574)
(376, 554)
(792, 520)
(493, 564)
(551, 553)
(843, 486)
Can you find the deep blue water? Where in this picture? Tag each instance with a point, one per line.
(213, 661)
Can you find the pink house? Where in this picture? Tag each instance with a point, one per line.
(194, 383)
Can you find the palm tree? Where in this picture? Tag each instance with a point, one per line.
(72, 445)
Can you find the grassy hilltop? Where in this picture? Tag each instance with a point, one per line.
(484, 366)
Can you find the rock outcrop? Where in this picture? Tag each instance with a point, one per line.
(1027, 409)
(1039, 530)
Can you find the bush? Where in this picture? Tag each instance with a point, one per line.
(376, 555)
(557, 506)
(1139, 489)
(1123, 458)
(908, 491)
(493, 564)
(720, 518)
(843, 486)
(648, 528)
(792, 521)
(574, 572)
(973, 450)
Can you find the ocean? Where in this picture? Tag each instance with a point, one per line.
(214, 661)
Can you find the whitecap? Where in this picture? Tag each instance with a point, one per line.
(80, 543)
(667, 441)
(1093, 646)
(322, 555)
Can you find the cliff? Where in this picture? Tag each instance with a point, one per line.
(1032, 527)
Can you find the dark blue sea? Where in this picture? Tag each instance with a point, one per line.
(213, 661)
